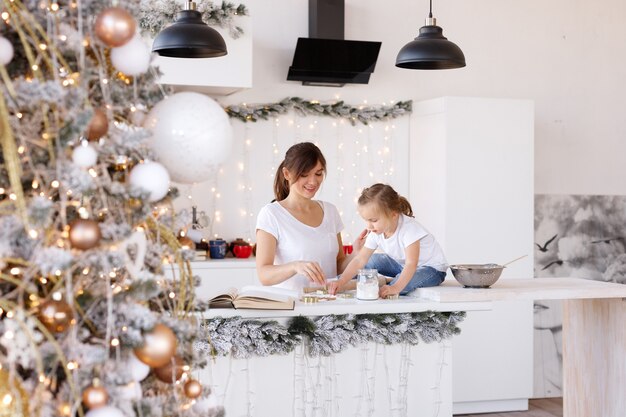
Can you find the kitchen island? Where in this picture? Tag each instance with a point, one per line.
(369, 379)
(405, 380)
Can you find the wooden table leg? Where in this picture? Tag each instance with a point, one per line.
(594, 357)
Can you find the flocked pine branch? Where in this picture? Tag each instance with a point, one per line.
(339, 109)
(324, 335)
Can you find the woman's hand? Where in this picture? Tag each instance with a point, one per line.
(360, 240)
(334, 287)
(387, 290)
(311, 270)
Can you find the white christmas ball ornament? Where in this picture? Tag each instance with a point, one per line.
(6, 51)
(106, 411)
(132, 58)
(191, 134)
(152, 177)
(85, 155)
(195, 235)
(138, 370)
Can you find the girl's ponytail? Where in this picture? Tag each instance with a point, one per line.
(404, 206)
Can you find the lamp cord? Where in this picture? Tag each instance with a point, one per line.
(430, 11)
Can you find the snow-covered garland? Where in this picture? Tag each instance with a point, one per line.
(362, 114)
(155, 15)
(326, 335)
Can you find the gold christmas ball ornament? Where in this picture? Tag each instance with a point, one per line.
(98, 125)
(115, 26)
(13, 398)
(186, 243)
(192, 389)
(170, 372)
(84, 234)
(158, 348)
(55, 315)
(95, 396)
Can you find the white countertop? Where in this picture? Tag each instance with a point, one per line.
(450, 296)
(351, 306)
(524, 289)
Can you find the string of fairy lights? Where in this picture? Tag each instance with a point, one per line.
(357, 156)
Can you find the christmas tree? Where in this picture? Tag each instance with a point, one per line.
(93, 321)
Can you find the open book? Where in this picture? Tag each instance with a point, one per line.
(254, 297)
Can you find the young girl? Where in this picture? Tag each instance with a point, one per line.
(411, 255)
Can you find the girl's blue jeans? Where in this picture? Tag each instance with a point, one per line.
(424, 276)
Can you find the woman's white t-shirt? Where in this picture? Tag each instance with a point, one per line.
(408, 232)
(296, 241)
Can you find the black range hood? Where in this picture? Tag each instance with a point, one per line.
(325, 58)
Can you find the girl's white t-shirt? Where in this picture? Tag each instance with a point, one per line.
(408, 232)
(296, 241)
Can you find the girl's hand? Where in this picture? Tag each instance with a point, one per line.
(387, 290)
(334, 287)
(360, 240)
(311, 270)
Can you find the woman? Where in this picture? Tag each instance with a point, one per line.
(298, 238)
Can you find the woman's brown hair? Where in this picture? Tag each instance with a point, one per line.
(299, 159)
(386, 198)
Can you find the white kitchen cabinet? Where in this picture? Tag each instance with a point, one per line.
(471, 185)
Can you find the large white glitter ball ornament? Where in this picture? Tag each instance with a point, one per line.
(138, 370)
(191, 134)
(84, 155)
(6, 51)
(132, 58)
(106, 411)
(152, 177)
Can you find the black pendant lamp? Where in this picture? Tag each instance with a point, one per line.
(430, 50)
(189, 37)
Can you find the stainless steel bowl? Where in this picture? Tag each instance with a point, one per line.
(476, 275)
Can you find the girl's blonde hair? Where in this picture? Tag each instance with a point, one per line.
(386, 198)
(299, 159)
